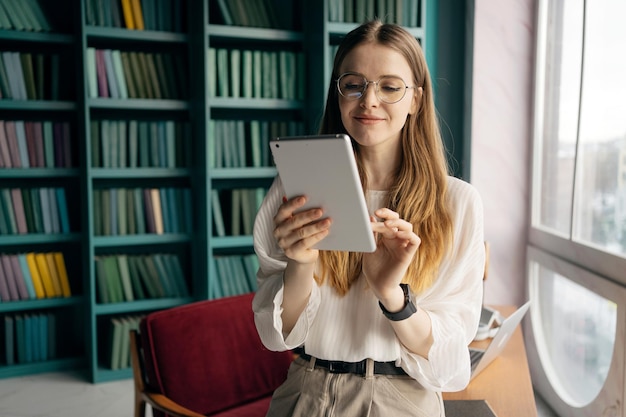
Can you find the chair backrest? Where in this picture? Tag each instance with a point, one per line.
(207, 355)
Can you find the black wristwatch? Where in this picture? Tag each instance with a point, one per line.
(408, 310)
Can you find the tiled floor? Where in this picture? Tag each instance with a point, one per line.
(67, 395)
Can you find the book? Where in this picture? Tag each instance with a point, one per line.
(155, 197)
(117, 329)
(28, 279)
(37, 128)
(28, 210)
(218, 218)
(124, 272)
(48, 140)
(62, 210)
(119, 73)
(101, 281)
(59, 261)
(113, 280)
(137, 14)
(92, 76)
(20, 133)
(112, 81)
(5, 154)
(135, 277)
(128, 75)
(152, 288)
(5, 294)
(101, 72)
(9, 340)
(127, 11)
(44, 274)
(18, 275)
(54, 210)
(153, 274)
(33, 268)
(26, 59)
(54, 274)
(9, 277)
(18, 210)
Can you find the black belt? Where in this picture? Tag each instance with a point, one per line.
(359, 368)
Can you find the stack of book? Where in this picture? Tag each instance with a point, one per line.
(29, 76)
(135, 143)
(123, 74)
(243, 203)
(118, 352)
(29, 276)
(236, 274)
(123, 277)
(28, 337)
(239, 143)
(35, 144)
(24, 15)
(256, 74)
(252, 13)
(33, 210)
(130, 211)
(403, 12)
(161, 15)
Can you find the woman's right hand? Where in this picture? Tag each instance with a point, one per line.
(297, 233)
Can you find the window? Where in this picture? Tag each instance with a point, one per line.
(579, 205)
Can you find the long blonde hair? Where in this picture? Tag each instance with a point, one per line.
(419, 193)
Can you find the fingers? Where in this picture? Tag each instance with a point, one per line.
(393, 227)
(299, 231)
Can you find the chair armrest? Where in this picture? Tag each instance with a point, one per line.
(162, 403)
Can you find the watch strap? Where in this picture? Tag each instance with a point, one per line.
(408, 310)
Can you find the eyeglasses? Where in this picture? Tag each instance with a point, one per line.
(389, 88)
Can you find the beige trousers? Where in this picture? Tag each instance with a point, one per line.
(315, 392)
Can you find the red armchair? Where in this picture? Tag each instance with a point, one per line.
(205, 359)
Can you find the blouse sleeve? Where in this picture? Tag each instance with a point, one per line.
(269, 295)
(454, 301)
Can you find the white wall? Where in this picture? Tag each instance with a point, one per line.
(501, 137)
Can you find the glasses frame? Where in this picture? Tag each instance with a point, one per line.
(367, 83)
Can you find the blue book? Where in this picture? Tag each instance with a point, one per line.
(9, 340)
(20, 131)
(54, 211)
(62, 208)
(52, 336)
(34, 337)
(29, 349)
(165, 210)
(175, 208)
(43, 336)
(28, 279)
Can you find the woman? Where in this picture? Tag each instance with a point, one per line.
(382, 333)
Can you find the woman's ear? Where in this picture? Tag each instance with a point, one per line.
(417, 100)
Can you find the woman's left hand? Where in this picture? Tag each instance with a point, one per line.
(397, 244)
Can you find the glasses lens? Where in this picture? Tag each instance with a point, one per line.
(391, 89)
(351, 86)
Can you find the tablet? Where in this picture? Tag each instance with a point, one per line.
(323, 168)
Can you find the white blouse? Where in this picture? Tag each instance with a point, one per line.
(352, 327)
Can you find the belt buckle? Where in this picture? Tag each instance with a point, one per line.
(336, 367)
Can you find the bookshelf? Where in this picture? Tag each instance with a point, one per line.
(167, 122)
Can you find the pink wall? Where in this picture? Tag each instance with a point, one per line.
(501, 137)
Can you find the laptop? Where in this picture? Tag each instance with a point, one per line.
(480, 358)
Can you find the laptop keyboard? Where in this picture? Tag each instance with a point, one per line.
(475, 356)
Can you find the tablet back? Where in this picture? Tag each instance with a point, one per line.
(323, 168)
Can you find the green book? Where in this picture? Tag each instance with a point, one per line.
(166, 280)
(35, 199)
(115, 349)
(7, 204)
(105, 212)
(118, 70)
(5, 21)
(166, 83)
(212, 73)
(28, 210)
(153, 76)
(130, 211)
(122, 144)
(137, 75)
(235, 73)
(138, 203)
(14, 11)
(113, 279)
(223, 74)
(5, 88)
(92, 76)
(20, 338)
(172, 263)
(48, 143)
(94, 138)
(143, 147)
(122, 210)
(152, 289)
(129, 79)
(125, 343)
(135, 278)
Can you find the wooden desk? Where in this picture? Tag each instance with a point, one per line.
(505, 383)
